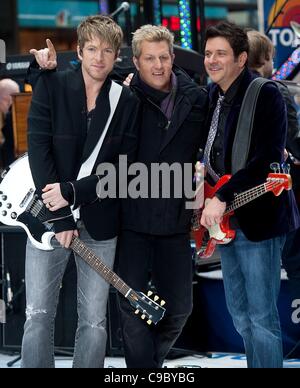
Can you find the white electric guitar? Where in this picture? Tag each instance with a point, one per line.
(20, 206)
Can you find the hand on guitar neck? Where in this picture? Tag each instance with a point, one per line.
(65, 238)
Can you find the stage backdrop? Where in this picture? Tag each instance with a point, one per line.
(281, 33)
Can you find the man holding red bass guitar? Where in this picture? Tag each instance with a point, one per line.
(251, 262)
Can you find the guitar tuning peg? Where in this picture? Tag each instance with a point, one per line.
(156, 298)
(286, 168)
(150, 293)
(143, 316)
(136, 312)
(162, 303)
(149, 322)
(275, 167)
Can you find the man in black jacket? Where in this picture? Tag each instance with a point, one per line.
(251, 263)
(78, 119)
(154, 243)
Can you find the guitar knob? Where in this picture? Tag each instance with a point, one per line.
(4, 197)
(286, 168)
(4, 213)
(9, 206)
(14, 215)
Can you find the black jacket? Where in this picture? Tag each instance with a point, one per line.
(179, 143)
(268, 216)
(58, 144)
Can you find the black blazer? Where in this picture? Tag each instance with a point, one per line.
(179, 143)
(268, 216)
(58, 144)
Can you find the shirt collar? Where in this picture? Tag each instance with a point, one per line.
(233, 89)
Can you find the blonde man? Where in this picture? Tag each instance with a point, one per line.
(69, 112)
(154, 243)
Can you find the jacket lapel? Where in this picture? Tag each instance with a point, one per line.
(178, 118)
(76, 98)
(99, 119)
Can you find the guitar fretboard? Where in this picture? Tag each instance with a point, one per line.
(252, 194)
(97, 264)
(241, 199)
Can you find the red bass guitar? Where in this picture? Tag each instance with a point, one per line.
(206, 240)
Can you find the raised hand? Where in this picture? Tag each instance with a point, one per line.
(46, 58)
(128, 80)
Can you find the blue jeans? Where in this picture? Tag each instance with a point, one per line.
(44, 273)
(251, 273)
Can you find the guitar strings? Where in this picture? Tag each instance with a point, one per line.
(241, 199)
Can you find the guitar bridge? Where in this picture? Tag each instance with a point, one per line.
(35, 206)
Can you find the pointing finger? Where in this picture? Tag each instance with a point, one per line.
(51, 48)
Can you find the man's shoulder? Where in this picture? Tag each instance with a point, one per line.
(128, 95)
(61, 76)
(271, 89)
(268, 89)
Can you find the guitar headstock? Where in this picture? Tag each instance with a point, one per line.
(277, 182)
(150, 307)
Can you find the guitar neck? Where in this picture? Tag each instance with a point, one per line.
(97, 264)
(247, 197)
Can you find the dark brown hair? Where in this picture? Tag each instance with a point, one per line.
(236, 36)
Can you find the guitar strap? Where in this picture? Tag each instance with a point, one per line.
(242, 140)
(87, 167)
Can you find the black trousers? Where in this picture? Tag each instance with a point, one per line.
(167, 260)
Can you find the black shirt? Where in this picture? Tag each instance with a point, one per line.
(218, 149)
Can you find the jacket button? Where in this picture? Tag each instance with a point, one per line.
(161, 125)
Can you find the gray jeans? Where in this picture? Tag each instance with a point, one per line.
(44, 273)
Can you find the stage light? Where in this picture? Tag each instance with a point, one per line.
(288, 67)
(157, 14)
(103, 7)
(185, 24)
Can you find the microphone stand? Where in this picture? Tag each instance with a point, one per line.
(128, 27)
